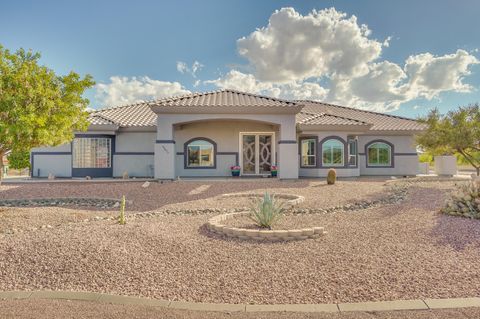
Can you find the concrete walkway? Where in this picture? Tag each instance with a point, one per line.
(396, 305)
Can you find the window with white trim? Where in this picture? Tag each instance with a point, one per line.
(332, 153)
(352, 152)
(200, 153)
(92, 152)
(308, 152)
(379, 154)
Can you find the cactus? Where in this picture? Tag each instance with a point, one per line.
(331, 176)
(121, 218)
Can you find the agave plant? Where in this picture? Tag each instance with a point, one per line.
(266, 211)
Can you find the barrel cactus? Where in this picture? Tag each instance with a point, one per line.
(331, 176)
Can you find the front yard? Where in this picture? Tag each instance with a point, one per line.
(402, 250)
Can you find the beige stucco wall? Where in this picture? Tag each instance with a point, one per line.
(127, 159)
(225, 134)
(322, 172)
(405, 158)
(135, 142)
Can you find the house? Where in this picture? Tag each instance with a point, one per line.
(204, 134)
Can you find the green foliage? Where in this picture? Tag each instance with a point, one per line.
(121, 219)
(19, 160)
(458, 131)
(425, 158)
(331, 176)
(465, 201)
(38, 107)
(267, 211)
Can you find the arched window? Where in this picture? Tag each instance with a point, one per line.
(200, 153)
(333, 153)
(379, 154)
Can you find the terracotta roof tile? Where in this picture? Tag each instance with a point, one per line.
(326, 119)
(380, 121)
(230, 98)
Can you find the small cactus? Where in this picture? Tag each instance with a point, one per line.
(121, 218)
(331, 176)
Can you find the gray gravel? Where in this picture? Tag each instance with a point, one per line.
(400, 251)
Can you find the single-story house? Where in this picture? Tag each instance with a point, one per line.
(204, 134)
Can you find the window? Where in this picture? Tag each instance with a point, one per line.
(352, 152)
(308, 152)
(92, 152)
(379, 154)
(200, 153)
(332, 153)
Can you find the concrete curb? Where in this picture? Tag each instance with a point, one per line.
(395, 305)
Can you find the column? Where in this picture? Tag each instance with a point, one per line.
(288, 150)
(164, 150)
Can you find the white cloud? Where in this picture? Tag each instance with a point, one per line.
(183, 68)
(294, 53)
(124, 90)
(430, 75)
(295, 47)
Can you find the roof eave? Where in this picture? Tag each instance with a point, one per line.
(334, 127)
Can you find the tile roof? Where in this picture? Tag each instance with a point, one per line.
(223, 98)
(313, 113)
(138, 114)
(327, 119)
(379, 121)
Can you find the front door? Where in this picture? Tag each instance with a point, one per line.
(257, 152)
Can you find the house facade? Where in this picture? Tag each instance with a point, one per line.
(204, 134)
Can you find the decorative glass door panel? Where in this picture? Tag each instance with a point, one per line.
(248, 154)
(265, 153)
(258, 153)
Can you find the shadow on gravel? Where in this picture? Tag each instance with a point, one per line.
(456, 232)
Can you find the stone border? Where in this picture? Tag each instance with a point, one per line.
(291, 200)
(215, 225)
(394, 305)
(65, 201)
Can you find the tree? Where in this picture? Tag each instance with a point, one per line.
(458, 131)
(19, 160)
(38, 107)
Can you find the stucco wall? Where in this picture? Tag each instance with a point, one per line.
(322, 172)
(405, 161)
(58, 165)
(136, 165)
(225, 134)
(135, 142)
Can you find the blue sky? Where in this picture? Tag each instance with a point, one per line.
(146, 45)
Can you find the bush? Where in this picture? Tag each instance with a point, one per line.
(331, 176)
(465, 201)
(19, 159)
(267, 211)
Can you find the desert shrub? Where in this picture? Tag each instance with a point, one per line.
(267, 211)
(331, 176)
(464, 201)
(121, 217)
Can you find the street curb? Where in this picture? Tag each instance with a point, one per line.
(393, 305)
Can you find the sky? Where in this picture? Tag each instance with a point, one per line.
(402, 57)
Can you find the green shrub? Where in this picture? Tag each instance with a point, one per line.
(465, 201)
(425, 158)
(267, 211)
(121, 218)
(331, 176)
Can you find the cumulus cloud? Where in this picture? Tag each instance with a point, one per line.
(294, 53)
(124, 90)
(295, 47)
(183, 68)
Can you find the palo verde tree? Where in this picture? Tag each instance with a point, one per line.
(457, 132)
(37, 106)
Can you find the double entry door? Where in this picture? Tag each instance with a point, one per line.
(257, 152)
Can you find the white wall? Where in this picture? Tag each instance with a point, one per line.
(405, 158)
(225, 134)
(135, 142)
(135, 165)
(58, 165)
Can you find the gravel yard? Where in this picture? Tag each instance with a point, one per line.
(183, 194)
(402, 251)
